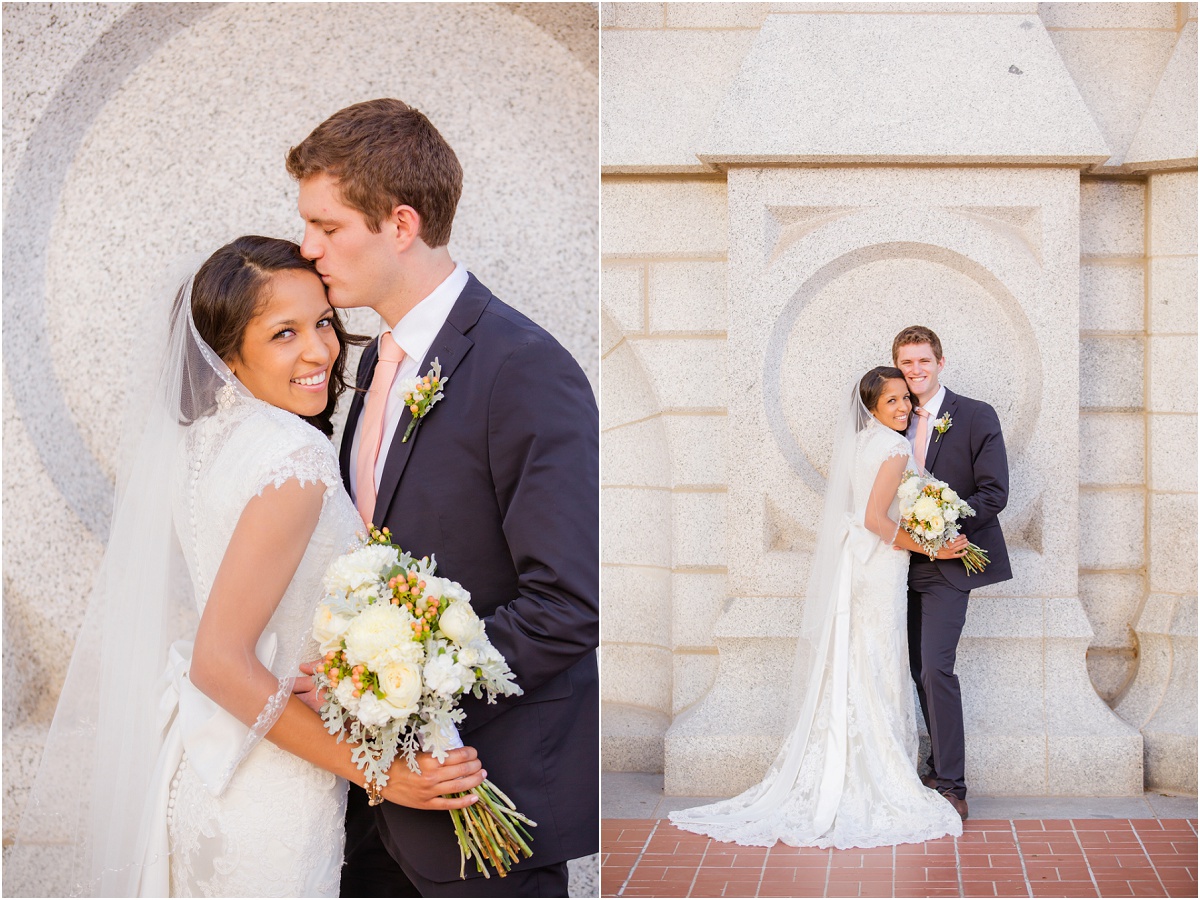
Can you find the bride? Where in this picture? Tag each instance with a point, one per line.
(846, 775)
(230, 506)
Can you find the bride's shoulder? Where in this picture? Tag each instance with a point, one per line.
(884, 442)
(270, 444)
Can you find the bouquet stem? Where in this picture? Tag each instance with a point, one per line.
(975, 559)
(490, 830)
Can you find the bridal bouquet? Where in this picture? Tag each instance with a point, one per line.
(929, 511)
(401, 646)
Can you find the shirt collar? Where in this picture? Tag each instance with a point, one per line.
(416, 331)
(934, 406)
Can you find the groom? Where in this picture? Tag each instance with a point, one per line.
(498, 480)
(958, 441)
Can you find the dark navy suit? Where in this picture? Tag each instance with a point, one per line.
(970, 457)
(500, 482)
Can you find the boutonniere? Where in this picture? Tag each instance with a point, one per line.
(942, 425)
(420, 393)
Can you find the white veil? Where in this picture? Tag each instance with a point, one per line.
(83, 829)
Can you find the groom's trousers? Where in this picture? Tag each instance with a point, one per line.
(936, 613)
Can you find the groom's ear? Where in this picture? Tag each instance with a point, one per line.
(408, 226)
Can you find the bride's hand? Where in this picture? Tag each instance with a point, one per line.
(461, 771)
(305, 688)
(954, 549)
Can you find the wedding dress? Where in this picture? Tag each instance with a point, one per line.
(246, 818)
(147, 787)
(846, 775)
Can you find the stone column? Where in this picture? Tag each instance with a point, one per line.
(867, 193)
(1161, 701)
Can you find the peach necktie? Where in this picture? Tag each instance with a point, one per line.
(922, 437)
(390, 357)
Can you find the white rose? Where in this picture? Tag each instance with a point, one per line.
(925, 508)
(401, 685)
(345, 694)
(372, 711)
(937, 525)
(360, 569)
(329, 625)
(459, 623)
(949, 496)
(376, 634)
(445, 677)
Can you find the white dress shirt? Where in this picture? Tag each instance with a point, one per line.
(934, 406)
(414, 334)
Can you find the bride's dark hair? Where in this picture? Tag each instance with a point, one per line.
(228, 291)
(870, 387)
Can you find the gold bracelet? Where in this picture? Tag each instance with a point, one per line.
(374, 792)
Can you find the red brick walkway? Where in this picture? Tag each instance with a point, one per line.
(993, 858)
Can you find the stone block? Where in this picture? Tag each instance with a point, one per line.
(1172, 197)
(1173, 543)
(1024, 9)
(673, 218)
(1190, 11)
(636, 675)
(45, 872)
(1110, 671)
(1172, 453)
(1111, 218)
(628, 394)
(634, 15)
(1090, 765)
(1112, 449)
(1006, 765)
(1173, 295)
(697, 601)
(1116, 73)
(1107, 15)
(659, 92)
(632, 738)
(698, 528)
(687, 373)
(716, 15)
(637, 526)
(697, 445)
(622, 296)
(862, 87)
(1166, 136)
(688, 297)
(1172, 373)
(1111, 529)
(636, 603)
(1110, 372)
(636, 455)
(694, 674)
(1111, 297)
(1111, 600)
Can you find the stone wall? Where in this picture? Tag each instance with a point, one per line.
(140, 137)
(785, 186)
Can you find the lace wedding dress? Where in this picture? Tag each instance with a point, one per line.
(245, 818)
(847, 776)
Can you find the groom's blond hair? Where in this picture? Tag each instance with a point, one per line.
(384, 154)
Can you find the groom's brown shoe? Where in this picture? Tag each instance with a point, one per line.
(959, 804)
(929, 781)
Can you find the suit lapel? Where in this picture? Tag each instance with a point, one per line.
(949, 405)
(366, 374)
(449, 348)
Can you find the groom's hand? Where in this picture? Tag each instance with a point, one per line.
(305, 688)
(461, 771)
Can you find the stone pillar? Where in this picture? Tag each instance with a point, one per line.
(1161, 700)
(863, 198)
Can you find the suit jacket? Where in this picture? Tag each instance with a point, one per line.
(500, 481)
(970, 457)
